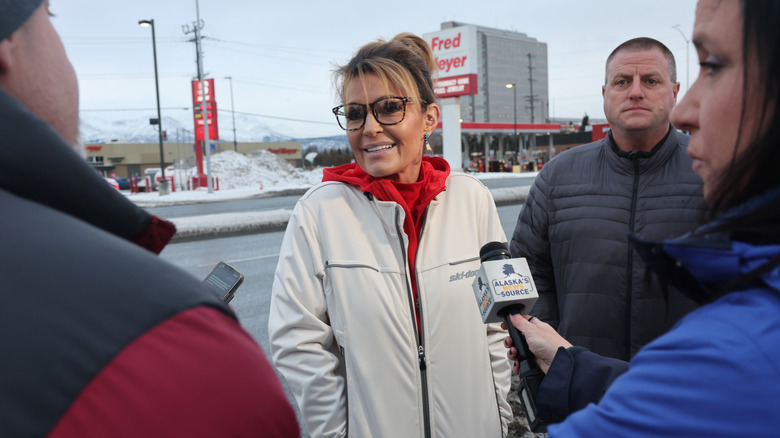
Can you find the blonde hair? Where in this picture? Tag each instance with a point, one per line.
(406, 62)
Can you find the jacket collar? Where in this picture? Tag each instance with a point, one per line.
(434, 170)
(38, 165)
(648, 161)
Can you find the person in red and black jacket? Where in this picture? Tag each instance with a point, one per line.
(99, 336)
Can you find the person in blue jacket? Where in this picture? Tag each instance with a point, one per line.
(716, 373)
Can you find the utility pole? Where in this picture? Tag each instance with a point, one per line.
(196, 27)
(163, 187)
(687, 56)
(513, 86)
(233, 112)
(531, 87)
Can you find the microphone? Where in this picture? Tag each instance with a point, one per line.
(504, 285)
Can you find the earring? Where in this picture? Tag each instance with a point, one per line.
(428, 147)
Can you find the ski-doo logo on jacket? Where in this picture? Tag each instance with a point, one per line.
(463, 275)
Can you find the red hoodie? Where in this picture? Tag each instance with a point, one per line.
(412, 197)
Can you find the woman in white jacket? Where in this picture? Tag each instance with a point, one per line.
(373, 259)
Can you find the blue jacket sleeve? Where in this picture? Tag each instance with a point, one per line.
(714, 375)
(576, 378)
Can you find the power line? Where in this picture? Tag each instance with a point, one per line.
(275, 84)
(132, 109)
(277, 48)
(267, 56)
(282, 118)
(105, 40)
(115, 76)
(220, 110)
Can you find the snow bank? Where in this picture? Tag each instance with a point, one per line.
(238, 171)
(242, 176)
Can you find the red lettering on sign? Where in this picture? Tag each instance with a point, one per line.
(445, 44)
(94, 148)
(448, 63)
(282, 151)
(455, 86)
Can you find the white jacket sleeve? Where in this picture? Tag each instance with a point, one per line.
(303, 346)
(502, 370)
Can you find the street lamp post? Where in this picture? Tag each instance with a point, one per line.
(233, 112)
(514, 90)
(163, 189)
(687, 52)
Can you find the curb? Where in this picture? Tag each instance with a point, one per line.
(229, 224)
(214, 226)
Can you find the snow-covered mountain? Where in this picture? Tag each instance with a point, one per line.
(180, 129)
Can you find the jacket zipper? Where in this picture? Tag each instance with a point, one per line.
(346, 398)
(634, 156)
(418, 334)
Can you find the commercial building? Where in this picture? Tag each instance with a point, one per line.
(132, 159)
(493, 84)
(505, 57)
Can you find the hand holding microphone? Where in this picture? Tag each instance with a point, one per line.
(542, 340)
(504, 286)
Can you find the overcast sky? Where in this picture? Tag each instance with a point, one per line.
(280, 53)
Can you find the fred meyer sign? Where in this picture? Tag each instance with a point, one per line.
(455, 54)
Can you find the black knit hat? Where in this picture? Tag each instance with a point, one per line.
(14, 13)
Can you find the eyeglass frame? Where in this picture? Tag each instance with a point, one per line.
(404, 101)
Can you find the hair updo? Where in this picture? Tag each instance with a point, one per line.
(405, 62)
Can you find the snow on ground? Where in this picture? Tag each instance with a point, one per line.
(230, 223)
(242, 176)
(236, 171)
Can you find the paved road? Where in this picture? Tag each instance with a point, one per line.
(282, 202)
(256, 257)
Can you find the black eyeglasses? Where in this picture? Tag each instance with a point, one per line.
(389, 110)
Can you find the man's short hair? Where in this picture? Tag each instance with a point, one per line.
(640, 44)
(14, 13)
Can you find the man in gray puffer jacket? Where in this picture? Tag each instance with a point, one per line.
(575, 223)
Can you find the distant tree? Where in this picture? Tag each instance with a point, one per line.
(584, 122)
(335, 157)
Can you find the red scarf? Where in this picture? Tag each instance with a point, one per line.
(412, 197)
